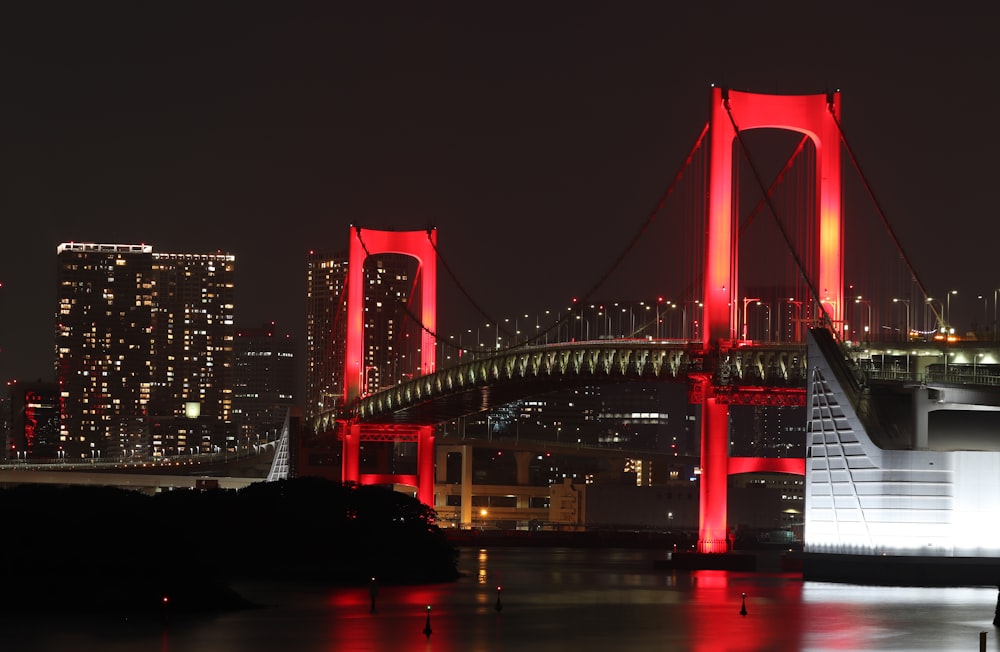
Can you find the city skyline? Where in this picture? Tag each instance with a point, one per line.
(269, 134)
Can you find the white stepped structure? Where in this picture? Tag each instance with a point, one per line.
(862, 499)
(279, 465)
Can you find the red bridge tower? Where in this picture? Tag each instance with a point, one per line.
(420, 245)
(816, 116)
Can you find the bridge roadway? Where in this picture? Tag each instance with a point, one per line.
(487, 382)
(147, 482)
(747, 372)
(221, 470)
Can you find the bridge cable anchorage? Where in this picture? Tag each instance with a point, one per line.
(774, 213)
(878, 209)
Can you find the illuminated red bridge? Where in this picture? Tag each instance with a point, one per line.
(790, 267)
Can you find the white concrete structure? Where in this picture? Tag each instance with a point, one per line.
(863, 499)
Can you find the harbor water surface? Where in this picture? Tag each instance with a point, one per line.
(534, 599)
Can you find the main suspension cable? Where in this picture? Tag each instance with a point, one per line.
(615, 265)
(881, 213)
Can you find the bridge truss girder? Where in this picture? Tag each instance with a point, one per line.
(754, 375)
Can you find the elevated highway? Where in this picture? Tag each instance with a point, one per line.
(146, 482)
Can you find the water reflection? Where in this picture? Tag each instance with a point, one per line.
(585, 600)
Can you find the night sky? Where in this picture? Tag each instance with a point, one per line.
(535, 136)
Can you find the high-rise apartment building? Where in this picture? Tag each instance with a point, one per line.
(144, 343)
(326, 331)
(193, 334)
(104, 347)
(263, 384)
(392, 330)
(391, 350)
(392, 336)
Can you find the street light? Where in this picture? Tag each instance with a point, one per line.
(868, 324)
(767, 307)
(985, 317)
(746, 301)
(995, 314)
(798, 317)
(684, 320)
(938, 314)
(907, 302)
(659, 302)
(947, 313)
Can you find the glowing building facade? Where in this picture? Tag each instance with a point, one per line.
(141, 338)
(34, 421)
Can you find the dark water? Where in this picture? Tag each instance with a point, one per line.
(553, 599)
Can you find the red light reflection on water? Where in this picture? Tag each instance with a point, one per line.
(400, 618)
(772, 621)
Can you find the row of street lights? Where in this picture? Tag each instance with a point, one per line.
(658, 319)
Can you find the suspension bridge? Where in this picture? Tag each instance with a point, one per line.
(733, 232)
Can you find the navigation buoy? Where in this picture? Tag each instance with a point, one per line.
(499, 605)
(427, 625)
(743, 605)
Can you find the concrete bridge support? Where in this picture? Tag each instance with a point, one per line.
(921, 411)
(465, 520)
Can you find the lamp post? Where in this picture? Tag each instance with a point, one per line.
(907, 302)
(767, 333)
(947, 312)
(985, 317)
(938, 314)
(659, 302)
(746, 301)
(995, 314)
(798, 317)
(868, 324)
(684, 324)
